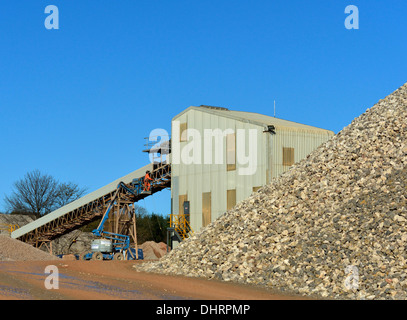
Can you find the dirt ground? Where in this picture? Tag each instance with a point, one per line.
(114, 280)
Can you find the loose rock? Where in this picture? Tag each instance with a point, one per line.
(333, 226)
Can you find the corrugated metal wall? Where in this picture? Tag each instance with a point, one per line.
(303, 142)
(196, 182)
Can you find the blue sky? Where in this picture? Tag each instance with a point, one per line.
(77, 102)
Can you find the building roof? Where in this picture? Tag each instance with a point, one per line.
(256, 118)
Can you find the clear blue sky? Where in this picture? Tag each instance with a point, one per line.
(77, 102)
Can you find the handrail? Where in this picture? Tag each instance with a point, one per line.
(93, 205)
(181, 224)
(9, 227)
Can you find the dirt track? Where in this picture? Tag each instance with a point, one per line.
(99, 280)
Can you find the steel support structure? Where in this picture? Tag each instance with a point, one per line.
(124, 218)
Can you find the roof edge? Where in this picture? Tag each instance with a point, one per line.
(224, 113)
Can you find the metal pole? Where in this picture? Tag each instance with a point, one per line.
(135, 233)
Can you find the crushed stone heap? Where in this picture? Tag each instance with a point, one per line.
(153, 250)
(333, 226)
(17, 220)
(16, 250)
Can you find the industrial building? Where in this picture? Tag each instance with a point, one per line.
(220, 157)
(216, 157)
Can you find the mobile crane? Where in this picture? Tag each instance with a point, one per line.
(112, 246)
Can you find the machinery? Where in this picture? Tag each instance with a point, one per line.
(112, 246)
(117, 199)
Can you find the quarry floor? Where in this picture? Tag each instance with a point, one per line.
(113, 280)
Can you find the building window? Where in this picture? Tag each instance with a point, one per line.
(206, 208)
(231, 152)
(183, 132)
(256, 188)
(288, 156)
(231, 199)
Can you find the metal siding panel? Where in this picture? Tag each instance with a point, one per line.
(260, 120)
(245, 183)
(302, 142)
(197, 179)
(174, 193)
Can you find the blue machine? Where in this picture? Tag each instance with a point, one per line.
(112, 246)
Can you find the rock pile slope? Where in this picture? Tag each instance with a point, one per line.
(333, 226)
(18, 220)
(153, 250)
(15, 250)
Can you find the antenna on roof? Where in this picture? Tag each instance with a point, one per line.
(274, 108)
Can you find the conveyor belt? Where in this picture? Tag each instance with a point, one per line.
(90, 207)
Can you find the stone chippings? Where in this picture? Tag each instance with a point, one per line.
(342, 208)
(16, 250)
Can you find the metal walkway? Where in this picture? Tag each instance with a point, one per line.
(125, 191)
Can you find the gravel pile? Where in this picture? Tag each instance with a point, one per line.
(334, 226)
(14, 219)
(15, 250)
(153, 250)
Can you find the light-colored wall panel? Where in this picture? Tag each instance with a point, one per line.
(200, 178)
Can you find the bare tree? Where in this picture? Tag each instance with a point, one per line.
(40, 194)
(68, 192)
